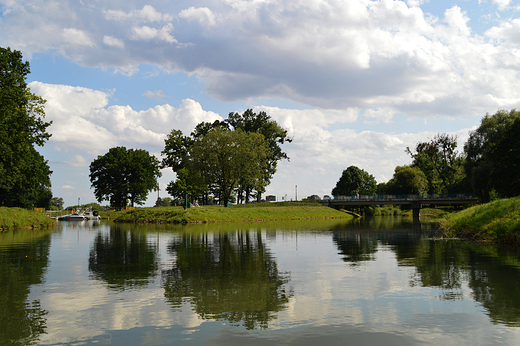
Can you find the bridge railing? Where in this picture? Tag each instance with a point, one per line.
(407, 197)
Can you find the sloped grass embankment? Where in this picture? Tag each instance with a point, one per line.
(17, 218)
(498, 221)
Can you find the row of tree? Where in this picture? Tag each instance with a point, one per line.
(223, 161)
(488, 166)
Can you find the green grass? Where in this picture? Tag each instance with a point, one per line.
(497, 221)
(17, 218)
(253, 212)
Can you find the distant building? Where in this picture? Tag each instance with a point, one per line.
(270, 198)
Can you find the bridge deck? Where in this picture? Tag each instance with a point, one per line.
(414, 200)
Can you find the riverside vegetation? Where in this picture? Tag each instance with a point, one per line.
(497, 221)
(238, 213)
(17, 218)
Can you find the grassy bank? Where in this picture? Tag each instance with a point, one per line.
(498, 221)
(206, 214)
(16, 218)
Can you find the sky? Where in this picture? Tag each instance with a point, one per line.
(354, 82)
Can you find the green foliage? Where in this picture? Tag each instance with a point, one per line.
(478, 150)
(440, 162)
(274, 134)
(407, 180)
(24, 173)
(122, 175)
(192, 157)
(505, 173)
(355, 181)
(224, 157)
(56, 203)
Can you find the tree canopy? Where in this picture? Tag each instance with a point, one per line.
(441, 163)
(124, 174)
(234, 157)
(407, 180)
(505, 172)
(24, 173)
(478, 150)
(354, 181)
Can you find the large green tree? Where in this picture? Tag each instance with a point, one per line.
(440, 162)
(505, 173)
(407, 180)
(188, 157)
(275, 136)
(354, 181)
(24, 173)
(479, 160)
(224, 157)
(124, 174)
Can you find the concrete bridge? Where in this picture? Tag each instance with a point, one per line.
(414, 201)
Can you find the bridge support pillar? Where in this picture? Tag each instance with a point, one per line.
(416, 208)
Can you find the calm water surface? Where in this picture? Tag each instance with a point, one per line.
(383, 281)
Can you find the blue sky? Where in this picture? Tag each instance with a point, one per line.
(354, 82)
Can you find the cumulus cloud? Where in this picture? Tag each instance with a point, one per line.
(328, 55)
(201, 14)
(113, 42)
(82, 120)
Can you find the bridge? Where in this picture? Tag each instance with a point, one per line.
(414, 201)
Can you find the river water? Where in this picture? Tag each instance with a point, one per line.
(382, 281)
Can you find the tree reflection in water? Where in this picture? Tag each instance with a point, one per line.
(21, 322)
(123, 258)
(229, 276)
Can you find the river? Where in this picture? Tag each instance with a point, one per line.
(381, 281)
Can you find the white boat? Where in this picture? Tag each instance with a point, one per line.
(87, 214)
(71, 217)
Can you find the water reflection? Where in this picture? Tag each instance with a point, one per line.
(24, 257)
(123, 258)
(230, 276)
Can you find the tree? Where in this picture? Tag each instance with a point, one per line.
(188, 152)
(274, 134)
(407, 180)
(479, 161)
(505, 173)
(440, 162)
(354, 181)
(56, 203)
(122, 175)
(24, 173)
(224, 157)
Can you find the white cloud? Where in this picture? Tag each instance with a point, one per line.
(329, 55)
(502, 4)
(201, 14)
(380, 115)
(148, 13)
(78, 161)
(157, 94)
(113, 42)
(77, 37)
(82, 120)
(148, 33)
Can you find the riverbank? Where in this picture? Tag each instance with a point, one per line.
(209, 214)
(17, 218)
(498, 221)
